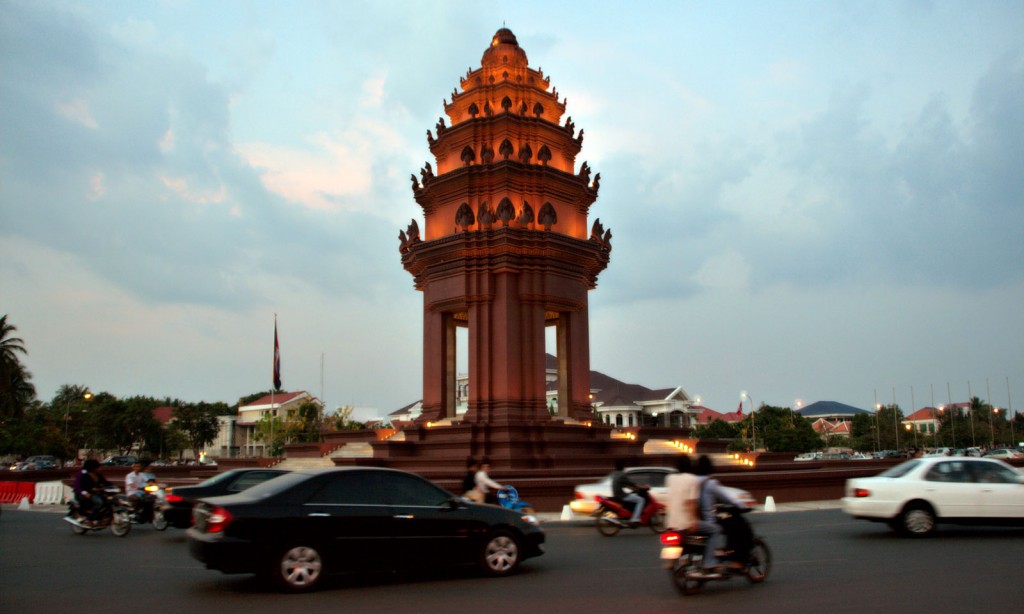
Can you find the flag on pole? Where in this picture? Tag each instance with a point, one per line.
(739, 410)
(277, 360)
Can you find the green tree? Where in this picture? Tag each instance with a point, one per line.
(16, 389)
(891, 435)
(717, 429)
(862, 433)
(198, 422)
(780, 429)
(270, 430)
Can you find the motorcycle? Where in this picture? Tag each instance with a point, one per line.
(149, 508)
(612, 515)
(114, 512)
(508, 498)
(683, 554)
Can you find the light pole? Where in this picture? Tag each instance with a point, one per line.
(970, 408)
(753, 429)
(995, 412)
(67, 411)
(878, 433)
(953, 411)
(895, 419)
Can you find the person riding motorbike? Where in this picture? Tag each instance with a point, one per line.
(711, 495)
(636, 495)
(134, 486)
(88, 491)
(485, 484)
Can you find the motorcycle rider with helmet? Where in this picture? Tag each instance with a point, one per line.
(711, 495)
(636, 495)
(88, 491)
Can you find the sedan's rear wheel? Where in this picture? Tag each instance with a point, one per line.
(500, 555)
(298, 569)
(917, 520)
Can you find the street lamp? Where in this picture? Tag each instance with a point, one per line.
(909, 427)
(995, 412)
(753, 430)
(67, 411)
(878, 434)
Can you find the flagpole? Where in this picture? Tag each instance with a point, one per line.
(273, 388)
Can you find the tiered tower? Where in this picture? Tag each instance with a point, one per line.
(505, 250)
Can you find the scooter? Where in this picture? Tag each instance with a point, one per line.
(149, 508)
(683, 555)
(612, 515)
(508, 498)
(115, 512)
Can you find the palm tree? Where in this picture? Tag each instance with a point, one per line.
(16, 389)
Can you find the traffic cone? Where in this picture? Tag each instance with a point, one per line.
(769, 504)
(566, 513)
(24, 505)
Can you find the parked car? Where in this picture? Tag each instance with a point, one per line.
(916, 495)
(120, 461)
(302, 525)
(939, 452)
(807, 456)
(1003, 453)
(39, 461)
(180, 500)
(585, 495)
(859, 456)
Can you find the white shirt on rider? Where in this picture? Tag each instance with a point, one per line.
(681, 500)
(134, 482)
(485, 483)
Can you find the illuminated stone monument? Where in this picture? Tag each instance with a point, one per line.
(505, 250)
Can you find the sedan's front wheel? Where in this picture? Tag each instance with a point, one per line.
(298, 569)
(500, 554)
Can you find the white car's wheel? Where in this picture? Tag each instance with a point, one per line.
(917, 520)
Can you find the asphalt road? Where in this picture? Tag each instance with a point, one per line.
(823, 562)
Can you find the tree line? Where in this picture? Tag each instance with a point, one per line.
(76, 419)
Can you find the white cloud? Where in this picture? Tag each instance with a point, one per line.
(77, 111)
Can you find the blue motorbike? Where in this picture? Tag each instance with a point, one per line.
(508, 498)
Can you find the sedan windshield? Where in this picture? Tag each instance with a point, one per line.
(900, 470)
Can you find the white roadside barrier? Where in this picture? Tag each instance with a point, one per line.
(49, 493)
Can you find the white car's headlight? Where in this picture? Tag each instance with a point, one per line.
(531, 519)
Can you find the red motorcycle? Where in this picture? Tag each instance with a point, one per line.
(614, 515)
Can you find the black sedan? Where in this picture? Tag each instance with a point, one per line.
(177, 510)
(303, 525)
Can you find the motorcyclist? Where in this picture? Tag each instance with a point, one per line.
(485, 484)
(134, 485)
(635, 495)
(711, 495)
(88, 491)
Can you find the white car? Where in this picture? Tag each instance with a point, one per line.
(915, 496)
(585, 495)
(807, 456)
(1003, 453)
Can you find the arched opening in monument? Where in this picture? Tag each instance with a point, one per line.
(556, 373)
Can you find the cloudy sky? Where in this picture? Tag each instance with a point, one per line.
(809, 200)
